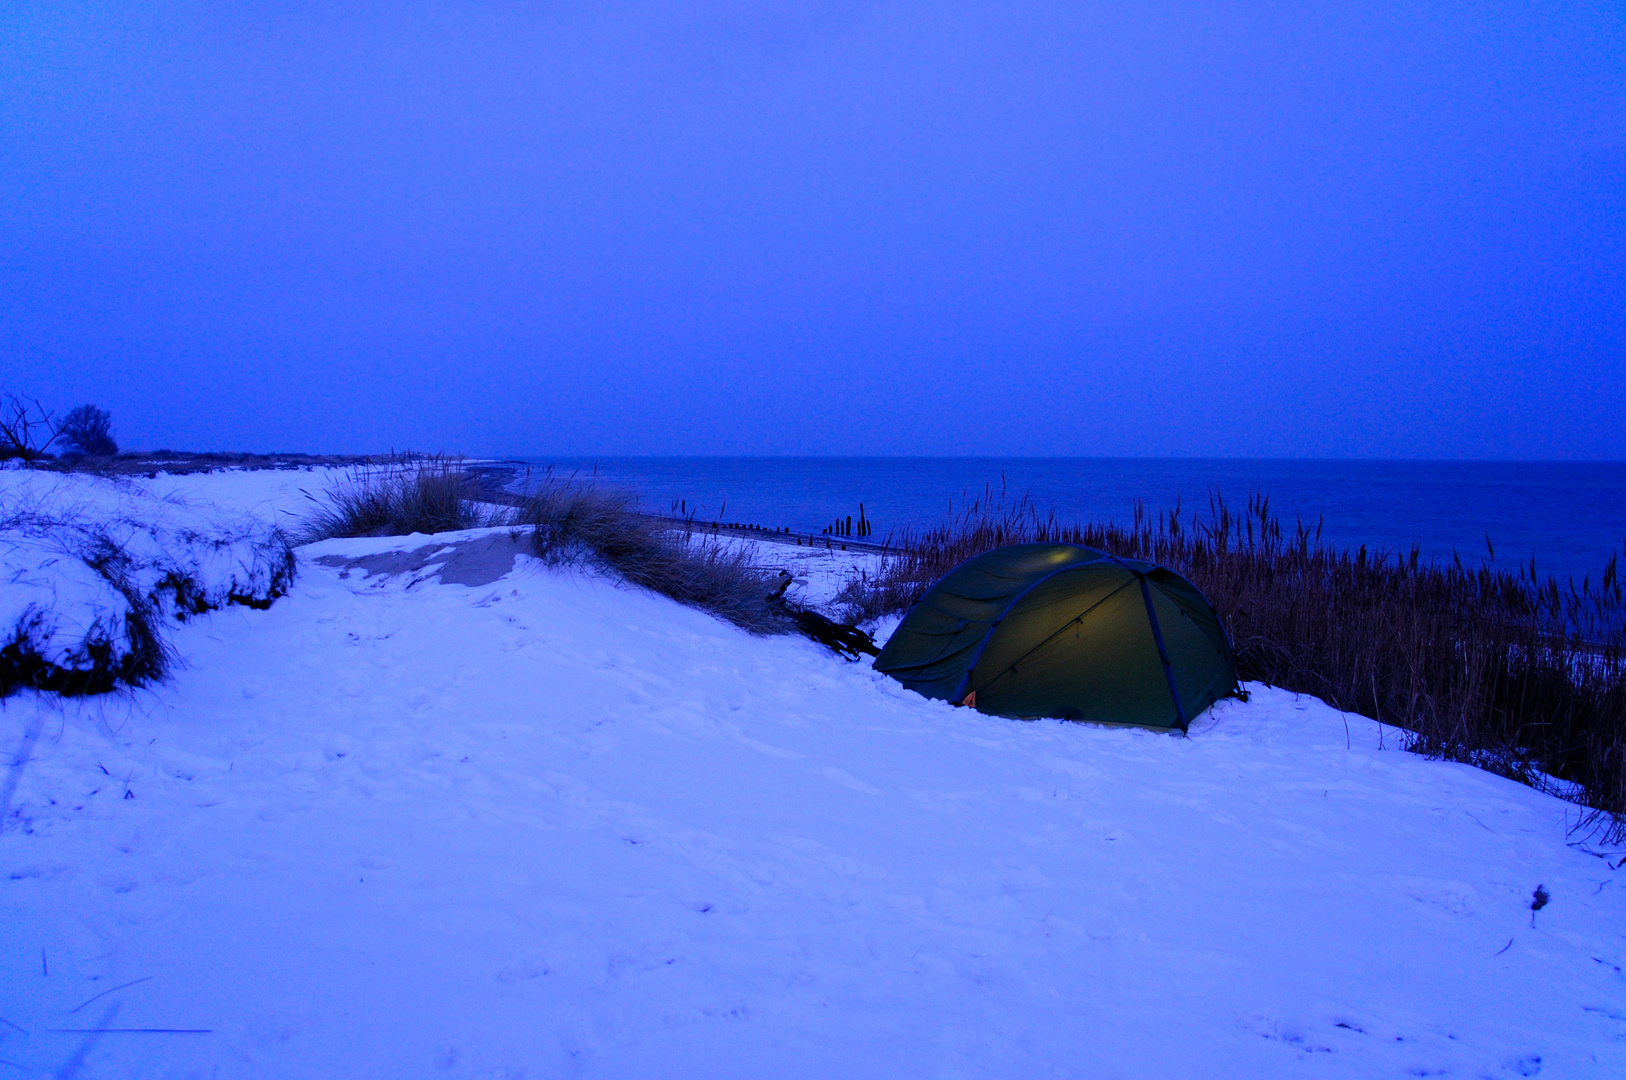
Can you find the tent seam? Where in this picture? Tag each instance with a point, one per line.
(1163, 654)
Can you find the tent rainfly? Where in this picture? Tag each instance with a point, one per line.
(1064, 631)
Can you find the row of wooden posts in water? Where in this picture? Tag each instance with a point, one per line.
(839, 527)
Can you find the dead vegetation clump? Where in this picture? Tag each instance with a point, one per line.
(1499, 668)
(408, 495)
(580, 522)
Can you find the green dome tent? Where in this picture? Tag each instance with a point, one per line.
(1059, 630)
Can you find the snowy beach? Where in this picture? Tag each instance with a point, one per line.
(514, 820)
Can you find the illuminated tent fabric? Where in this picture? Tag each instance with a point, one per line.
(1059, 630)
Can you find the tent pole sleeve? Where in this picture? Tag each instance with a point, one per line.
(1162, 653)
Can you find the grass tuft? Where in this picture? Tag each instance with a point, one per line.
(408, 495)
(579, 522)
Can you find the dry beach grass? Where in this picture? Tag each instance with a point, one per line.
(405, 496)
(583, 522)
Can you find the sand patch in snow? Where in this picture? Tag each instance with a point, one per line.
(476, 561)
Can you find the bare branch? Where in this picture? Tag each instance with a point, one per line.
(27, 428)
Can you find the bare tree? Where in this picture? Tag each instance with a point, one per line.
(27, 428)
(90, 430)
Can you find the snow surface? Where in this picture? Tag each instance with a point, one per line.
(551, 826)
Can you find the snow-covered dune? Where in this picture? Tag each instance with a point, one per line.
(401, 824)
(91, 567)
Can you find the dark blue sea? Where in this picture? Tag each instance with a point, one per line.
(1571, 516)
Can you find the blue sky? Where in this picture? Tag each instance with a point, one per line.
(1172, 229)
